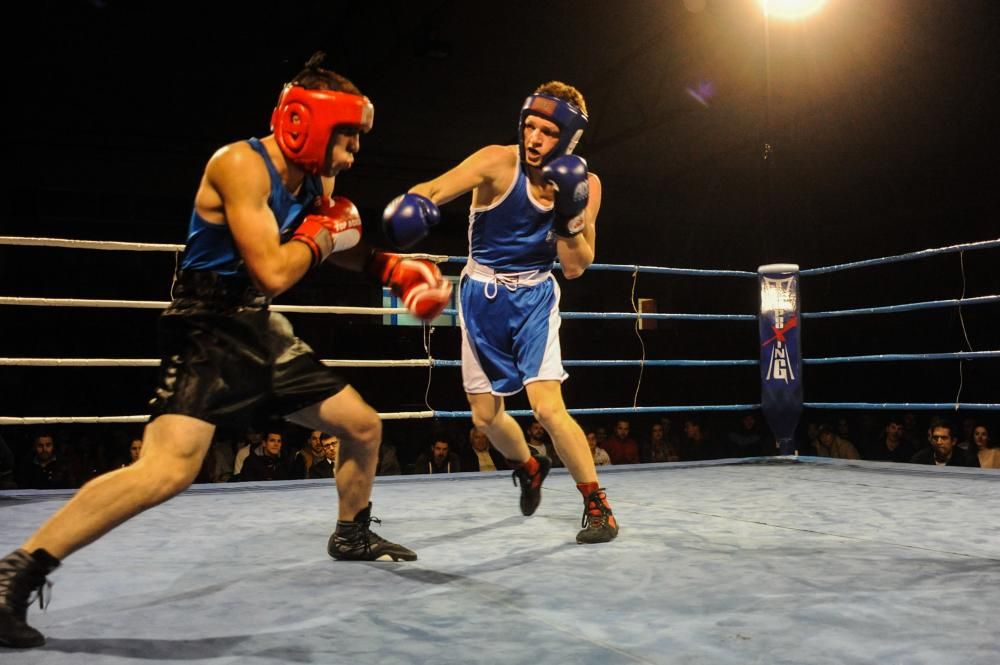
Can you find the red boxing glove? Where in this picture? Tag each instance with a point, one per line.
(333, 226)
(419, 283)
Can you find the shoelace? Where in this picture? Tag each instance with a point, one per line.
(527, 480)
(595, 512)
(43, 602)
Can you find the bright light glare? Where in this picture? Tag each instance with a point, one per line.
(790, 10)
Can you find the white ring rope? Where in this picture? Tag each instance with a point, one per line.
(137, 246)
(155, 362)
(162, 304)
(91, 420)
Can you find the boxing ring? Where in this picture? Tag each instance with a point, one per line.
(785, 559)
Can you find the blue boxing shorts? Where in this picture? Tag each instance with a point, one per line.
(510, 330)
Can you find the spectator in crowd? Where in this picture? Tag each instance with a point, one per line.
(481, 455)
(438, 459)
(313, 451)
(388, 460)
(892, 446)
(599, 454)
(749, 438)
(912, 433)
(324, 463)
(45, 470)
(986, 449)
(965, 442)
(655, 448)
(134, 450)
(539, 443)
(698, 444)
(943, 449)
(622, 448)
(253, 445)
(829, 444)
(270, 465)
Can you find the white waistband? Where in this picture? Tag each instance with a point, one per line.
(510, 280)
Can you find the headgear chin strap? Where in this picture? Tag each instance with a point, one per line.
(304, 120)
(571, 120)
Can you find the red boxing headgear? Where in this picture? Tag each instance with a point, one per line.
(304, 120)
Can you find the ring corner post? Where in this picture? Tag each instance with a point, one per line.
(779, 325)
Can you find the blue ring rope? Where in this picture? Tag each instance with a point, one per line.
(930, 304)
(902, 406)
(892, 357)
(634, 315)
(985, 244)
(617, 409)
(628, 363)
(619, 267)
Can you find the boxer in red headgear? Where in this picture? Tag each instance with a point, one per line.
(263, 215)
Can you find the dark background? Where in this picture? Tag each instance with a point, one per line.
(881, 117)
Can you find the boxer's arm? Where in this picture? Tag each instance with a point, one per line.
(242, 182)
(480, 168)
(577, 253)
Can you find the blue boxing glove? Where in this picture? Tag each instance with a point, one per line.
(408, 219)
(568, 174)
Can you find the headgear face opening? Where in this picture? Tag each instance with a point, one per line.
(571, 121)
(305, 119)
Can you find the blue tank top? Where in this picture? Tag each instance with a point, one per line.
(211, 246)
(514, 234)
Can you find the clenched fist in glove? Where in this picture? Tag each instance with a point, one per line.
(568, 174)
(332, 225)
(418, 282)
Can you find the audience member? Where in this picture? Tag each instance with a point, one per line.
(270, 464)
(480, 455)
(828, 444)
(985, 448)
(656, 448)
(540, 444)
(45, 470)
(749, 438)
(698, 444)
(622, 448)
(438, 459)
(388, 460)
(943, 449)
(892, 446)
(599, 454)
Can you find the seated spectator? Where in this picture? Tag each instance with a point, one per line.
(830, 445)
(987, 451)
(892, 445)
(324, 463)
(269, 465)
(254, 445)
(656, 448)
(312, 452)
(134, 450)
(438, 459)
(749, 438)
(540, 443)
(388, 460)
(943, 450)
(599, 454)
(481, 455)
(698, 444)
(622, 448)
(45, 470)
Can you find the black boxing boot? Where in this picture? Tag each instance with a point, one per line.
(355, 541)
(21, 574)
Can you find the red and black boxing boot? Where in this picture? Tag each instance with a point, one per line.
(355, 541)
(599, 523)
(531, 474)
(21, 575)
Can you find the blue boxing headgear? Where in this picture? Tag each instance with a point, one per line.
(571, 121)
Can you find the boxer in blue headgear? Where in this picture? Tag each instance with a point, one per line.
(531, 203)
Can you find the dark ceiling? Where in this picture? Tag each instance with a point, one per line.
(880, 113)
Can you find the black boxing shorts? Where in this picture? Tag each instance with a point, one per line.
(225, 355)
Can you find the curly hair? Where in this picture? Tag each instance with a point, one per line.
(314, 77)
(565, 92)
